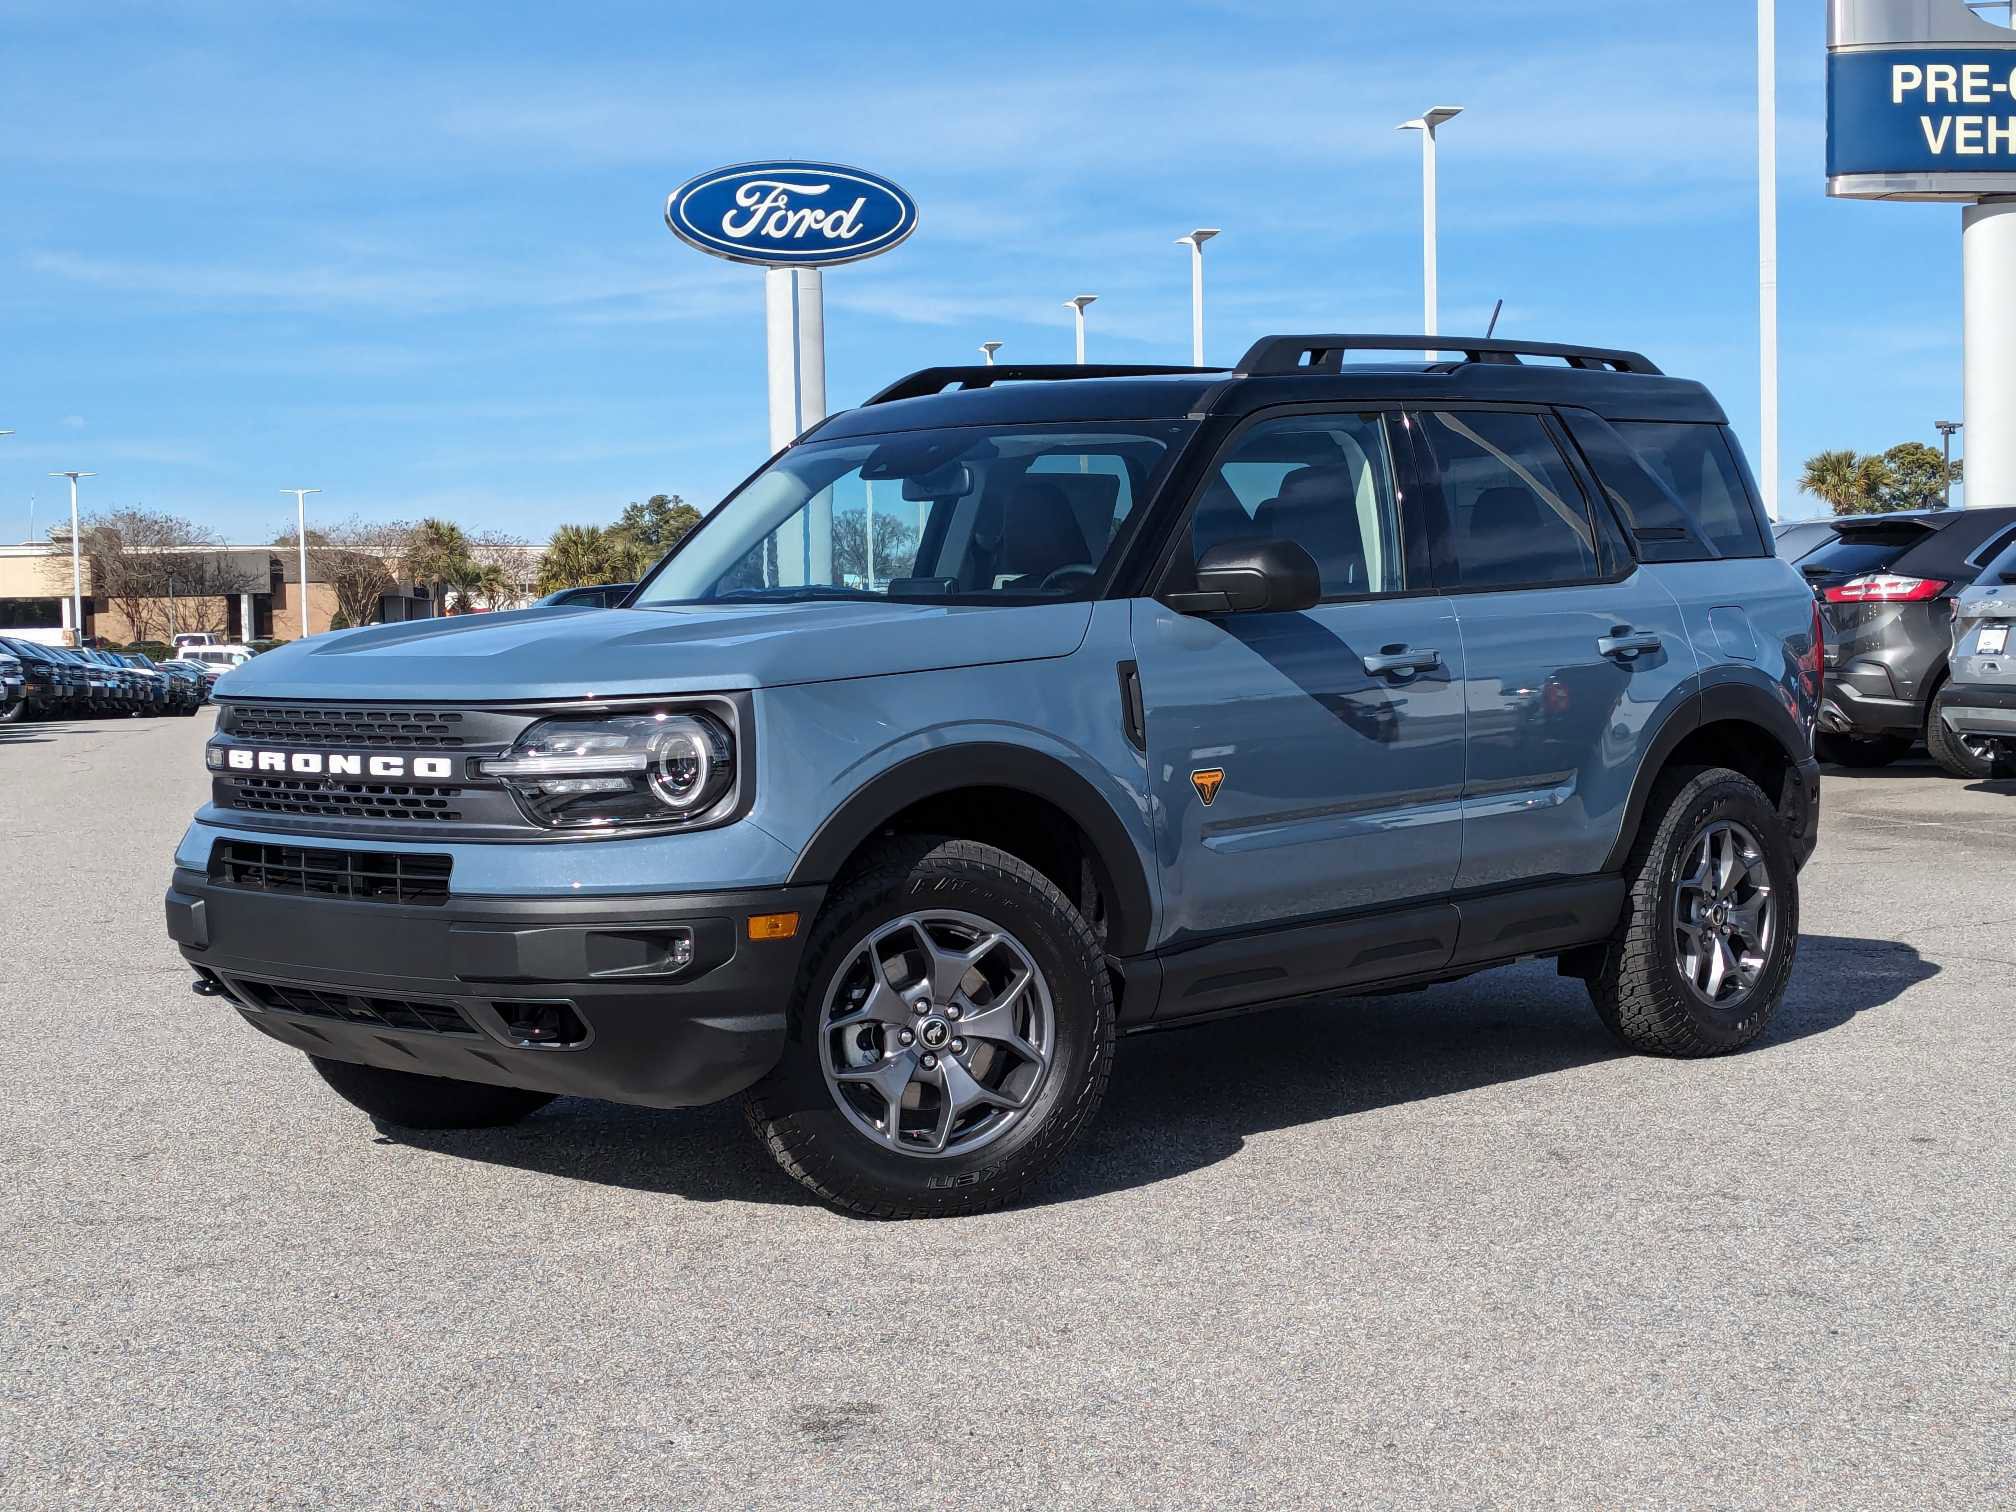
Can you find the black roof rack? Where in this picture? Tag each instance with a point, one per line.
(937, 379)
(1301, 354)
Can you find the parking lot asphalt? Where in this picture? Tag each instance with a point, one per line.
(1443, 1249)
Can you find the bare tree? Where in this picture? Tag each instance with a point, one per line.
(358, 559)
(155, 567)
(508, 573)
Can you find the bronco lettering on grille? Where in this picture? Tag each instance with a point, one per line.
(315, 764)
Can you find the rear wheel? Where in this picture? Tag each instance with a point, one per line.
(952, 1031)
(1861, 750)
(1975, 756)
(427, 1102)
(1710, 927)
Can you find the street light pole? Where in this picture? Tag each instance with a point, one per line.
(1195, 242)
(988, 349)
(1767, 243)
(1428, 124)
(1946, 429)
(76, 558)
(1076, 303)
(301, 543)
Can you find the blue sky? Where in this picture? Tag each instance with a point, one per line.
(414, 254)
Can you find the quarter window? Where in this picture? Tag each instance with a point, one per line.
(1516, 515)
(1694, 463)
(1324, 482)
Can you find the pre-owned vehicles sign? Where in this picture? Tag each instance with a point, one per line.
(1921, 101)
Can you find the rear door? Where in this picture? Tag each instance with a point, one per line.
(1572, 652)
(1306, 764)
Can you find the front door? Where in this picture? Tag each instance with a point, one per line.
(1305, 764)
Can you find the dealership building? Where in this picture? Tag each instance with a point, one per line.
(243, 593)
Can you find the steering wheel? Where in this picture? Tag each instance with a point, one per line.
(1069, 576)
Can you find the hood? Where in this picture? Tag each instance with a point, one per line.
(575, 653)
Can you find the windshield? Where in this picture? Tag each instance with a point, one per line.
(982, 514)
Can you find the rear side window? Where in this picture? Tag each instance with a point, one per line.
(2000, 571)
(1678, 486)
(1516, 516)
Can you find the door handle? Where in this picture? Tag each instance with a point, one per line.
(1627, 644)
(1400, 659)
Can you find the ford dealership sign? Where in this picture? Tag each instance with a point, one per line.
(791, 215)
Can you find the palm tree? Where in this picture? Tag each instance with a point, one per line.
(487, 581)
(1850, 484)
(577, 556)
(437, 553)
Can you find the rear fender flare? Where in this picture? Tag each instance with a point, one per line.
(1718, 703)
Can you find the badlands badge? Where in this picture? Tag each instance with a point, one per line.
(1207, 783)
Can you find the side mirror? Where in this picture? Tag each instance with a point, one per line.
(1248, 577)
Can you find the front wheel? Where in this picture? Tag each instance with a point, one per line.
(427, 1102)
(1703, 951)
(951, 1035)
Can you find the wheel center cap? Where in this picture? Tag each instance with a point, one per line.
(935, 1033)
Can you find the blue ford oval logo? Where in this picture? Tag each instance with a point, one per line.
(790, 215)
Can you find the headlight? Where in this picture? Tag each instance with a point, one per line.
(623, 770)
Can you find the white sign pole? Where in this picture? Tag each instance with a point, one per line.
(1988, 279)
(1767, 243)
(780, 325)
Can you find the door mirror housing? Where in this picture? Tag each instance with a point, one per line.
(1252, 577)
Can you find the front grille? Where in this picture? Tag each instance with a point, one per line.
(334, 799)
(354, 876)
(387, 728)
(416, 1014)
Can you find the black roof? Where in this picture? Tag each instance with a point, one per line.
(1618, 385)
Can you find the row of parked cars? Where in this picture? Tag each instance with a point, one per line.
(1919, 608)
(64, 682)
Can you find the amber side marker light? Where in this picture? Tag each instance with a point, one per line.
(779, 926)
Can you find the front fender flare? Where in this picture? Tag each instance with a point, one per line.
(1117, 859)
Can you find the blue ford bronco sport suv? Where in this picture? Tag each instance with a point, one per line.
(1026, 707)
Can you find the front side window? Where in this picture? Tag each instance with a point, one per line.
(1516, 516)
(987, 514)
(1324, 482)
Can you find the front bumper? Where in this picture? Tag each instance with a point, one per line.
(436, 989)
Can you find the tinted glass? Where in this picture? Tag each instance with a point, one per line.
(1516, 515)
(1861, 551)
(2001, 569)
(974, 513)
(1695, 465)
(1324, 482)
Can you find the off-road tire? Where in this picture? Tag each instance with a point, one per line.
(1638, 992)
(794, 1112)
(407, 1101)
(1955, 757)
(1861, 751)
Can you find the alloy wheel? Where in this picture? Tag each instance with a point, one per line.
(936, 1033)
(1725, 916)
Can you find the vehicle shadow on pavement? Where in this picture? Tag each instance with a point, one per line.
(1189, 1098)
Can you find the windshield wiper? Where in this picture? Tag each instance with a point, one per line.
(805, 591)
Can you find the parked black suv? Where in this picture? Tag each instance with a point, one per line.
(1886, 585)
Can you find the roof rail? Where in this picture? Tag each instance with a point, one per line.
(1301, 354)
(937, 379)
